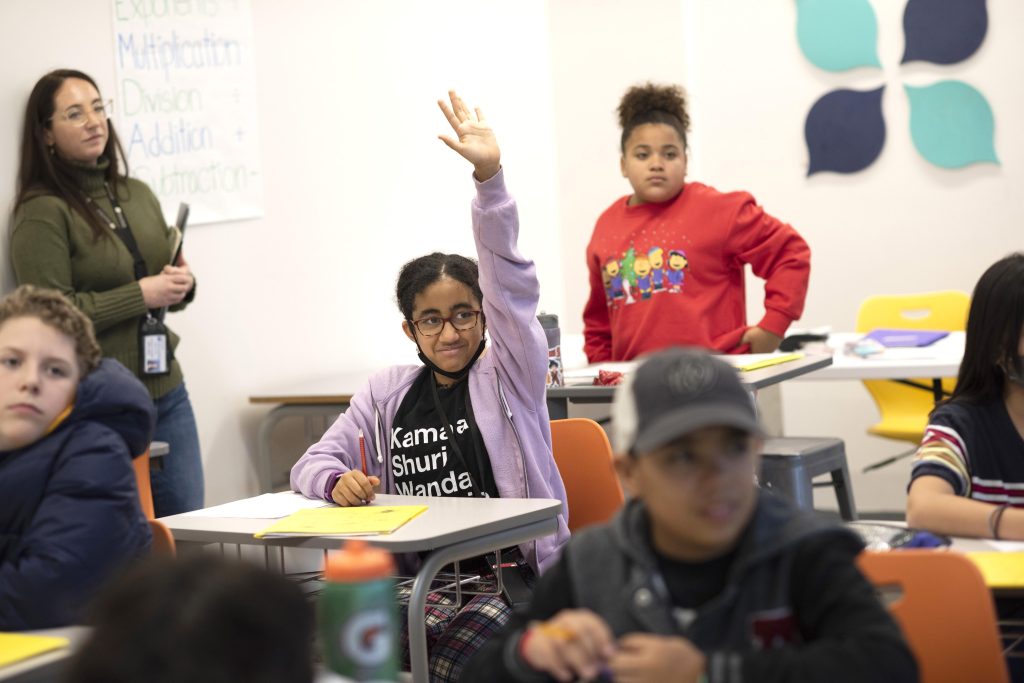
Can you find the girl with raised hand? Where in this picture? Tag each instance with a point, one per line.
(472, 419)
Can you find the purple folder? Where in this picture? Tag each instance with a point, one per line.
(906, 338)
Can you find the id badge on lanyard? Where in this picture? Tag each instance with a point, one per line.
(154, 347)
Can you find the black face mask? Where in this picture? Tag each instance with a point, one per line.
(458, 374)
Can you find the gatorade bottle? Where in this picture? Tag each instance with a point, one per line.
(357, 616)
(549, 322)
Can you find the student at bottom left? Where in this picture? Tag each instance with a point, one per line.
(70, 424)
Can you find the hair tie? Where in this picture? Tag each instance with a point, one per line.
(993, 520)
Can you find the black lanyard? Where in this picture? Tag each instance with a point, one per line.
(122, 230)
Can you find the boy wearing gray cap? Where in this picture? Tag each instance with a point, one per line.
(701, 577)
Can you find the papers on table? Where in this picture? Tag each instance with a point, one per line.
(743, 363)
(1000, 569)
(343, 521)
(14, 647)
(756, 361)
(267, 506)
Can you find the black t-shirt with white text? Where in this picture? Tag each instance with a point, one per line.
(423, 459)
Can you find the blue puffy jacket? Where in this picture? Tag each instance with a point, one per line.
(69, 509)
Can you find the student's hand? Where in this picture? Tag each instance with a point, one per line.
(167, 288)
(354, 488)
(649, 658)
(573, 644)
(476, 141)
(760, 340)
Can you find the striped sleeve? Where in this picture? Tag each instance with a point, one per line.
(943, 454)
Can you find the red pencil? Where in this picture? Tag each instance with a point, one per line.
(362, 450)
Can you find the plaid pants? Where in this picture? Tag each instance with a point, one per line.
(453, 633)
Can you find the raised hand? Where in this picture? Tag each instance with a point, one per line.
(474, 139)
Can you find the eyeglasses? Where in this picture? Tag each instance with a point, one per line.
(78, 117)
(432, 325)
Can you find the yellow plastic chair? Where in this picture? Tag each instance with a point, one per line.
(945, 611)
(584, 459)
(904, 409)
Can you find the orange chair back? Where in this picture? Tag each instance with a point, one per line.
(141, 464)
(163, 539)
(584, 458)
(945, 612)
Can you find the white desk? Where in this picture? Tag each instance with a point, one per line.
(559, 398)
(451, 529)
(938, 360)
(48, 667)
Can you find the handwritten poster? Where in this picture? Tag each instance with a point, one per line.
(185, 106)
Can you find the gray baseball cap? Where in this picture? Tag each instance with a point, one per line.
(675, 392)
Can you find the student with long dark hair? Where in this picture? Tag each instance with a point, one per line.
(968, 474)
(472, 419)
(82, 226)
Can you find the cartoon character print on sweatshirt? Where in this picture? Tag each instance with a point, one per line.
(612, 276)
(677, 261)
(642, 268)
(656, 255)
(640, 274)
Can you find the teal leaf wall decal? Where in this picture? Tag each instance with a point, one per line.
(951, 124)
(837, 35)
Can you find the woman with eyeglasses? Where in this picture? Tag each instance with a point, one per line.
(472, 420)
(82, 226)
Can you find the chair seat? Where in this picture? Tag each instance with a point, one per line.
(901, 427)
(790, 464)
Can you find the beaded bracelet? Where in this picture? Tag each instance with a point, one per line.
(993, 519)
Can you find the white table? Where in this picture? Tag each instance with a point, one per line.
(450, 529)
(48, 667)
(938, 360)
(559, 398)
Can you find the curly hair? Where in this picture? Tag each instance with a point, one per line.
(54, 309)
(650, 103)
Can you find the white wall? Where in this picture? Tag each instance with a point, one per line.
(356, 182)
(902, 225)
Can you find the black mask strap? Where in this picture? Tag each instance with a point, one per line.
(458, 374)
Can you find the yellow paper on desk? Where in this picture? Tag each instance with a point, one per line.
(343, 521)
(15, 647)
(768, 362)
(1001, 570)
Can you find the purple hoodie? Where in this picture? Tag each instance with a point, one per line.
(506, 386)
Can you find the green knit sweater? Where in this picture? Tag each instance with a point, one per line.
(52, 246)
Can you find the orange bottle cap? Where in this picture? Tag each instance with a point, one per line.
(358, 561)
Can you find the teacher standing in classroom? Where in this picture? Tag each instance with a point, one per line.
(82, 226)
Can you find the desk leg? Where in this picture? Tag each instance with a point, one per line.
(937, 389)
(445, 556)
(558, 408)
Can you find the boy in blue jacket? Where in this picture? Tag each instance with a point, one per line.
(70, 424)
(701, 577)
